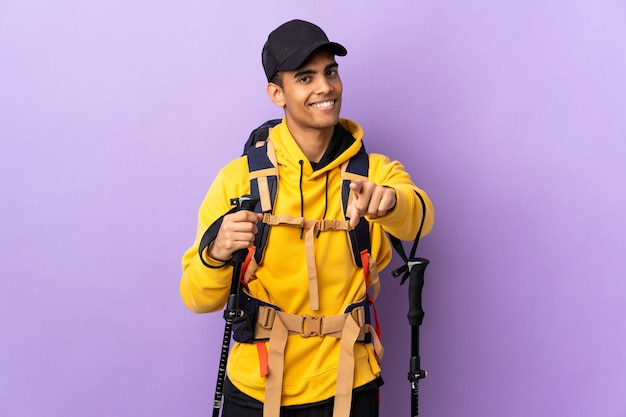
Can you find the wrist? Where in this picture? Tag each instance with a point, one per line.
(211, 262)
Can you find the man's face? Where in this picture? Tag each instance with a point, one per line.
(312, 93)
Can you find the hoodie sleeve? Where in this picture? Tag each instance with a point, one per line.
(203, 288)
(404, 220)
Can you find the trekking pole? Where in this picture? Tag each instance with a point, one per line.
(231, 312)
(414, 270)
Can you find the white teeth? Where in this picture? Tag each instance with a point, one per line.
(323, 105)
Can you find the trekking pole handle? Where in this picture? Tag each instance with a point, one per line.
(417, 266)
(245, 202)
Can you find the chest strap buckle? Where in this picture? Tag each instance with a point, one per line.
(311, 325)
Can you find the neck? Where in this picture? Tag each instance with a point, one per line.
(312, 142)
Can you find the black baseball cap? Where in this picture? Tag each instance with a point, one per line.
(289, 45)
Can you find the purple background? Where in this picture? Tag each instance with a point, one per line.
(115, 116)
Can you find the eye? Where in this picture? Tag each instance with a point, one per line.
(332, 72)
(305, 79)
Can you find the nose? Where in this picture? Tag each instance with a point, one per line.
(324, 86)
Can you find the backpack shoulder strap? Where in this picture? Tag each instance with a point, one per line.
(259, 134)
(263, 178)
(264, 185)
(356, 169)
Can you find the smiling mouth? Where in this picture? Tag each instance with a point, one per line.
(323, 105)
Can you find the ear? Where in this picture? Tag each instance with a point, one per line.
(275, 93)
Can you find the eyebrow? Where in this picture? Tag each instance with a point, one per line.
(310, 71)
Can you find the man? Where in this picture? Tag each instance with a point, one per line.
(315, 353)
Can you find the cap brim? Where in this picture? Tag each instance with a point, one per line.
(297, 58)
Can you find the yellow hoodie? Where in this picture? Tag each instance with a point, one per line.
(282, 279)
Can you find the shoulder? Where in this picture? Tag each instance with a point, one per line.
(383, 169)
(235, 169)
(380, 161)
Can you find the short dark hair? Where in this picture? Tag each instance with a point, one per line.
(278, 79)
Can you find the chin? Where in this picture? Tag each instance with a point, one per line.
(330, 120)
(327, 124)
